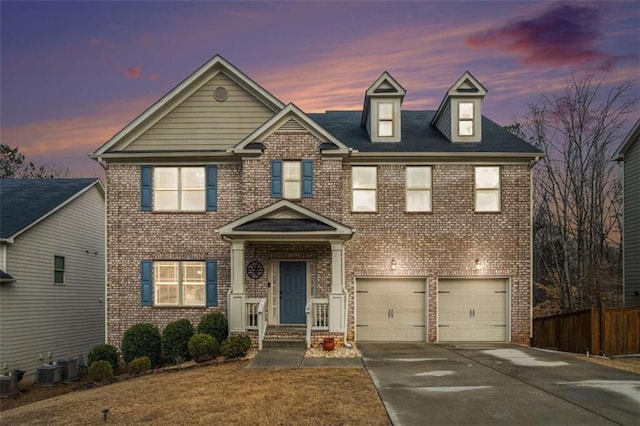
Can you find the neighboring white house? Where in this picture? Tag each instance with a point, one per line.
(52, 271)
(629, 156)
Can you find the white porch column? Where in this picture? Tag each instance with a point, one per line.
(237, 307)
(337, 299)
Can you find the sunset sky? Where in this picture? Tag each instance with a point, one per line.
(74, 73)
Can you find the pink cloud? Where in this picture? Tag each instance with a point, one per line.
(564, 34)
(133, 72)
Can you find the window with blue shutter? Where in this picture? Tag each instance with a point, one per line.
(307, 178)
(145, 188)
(212, 188)
(276, 178)
(212, 283)
(146, 283)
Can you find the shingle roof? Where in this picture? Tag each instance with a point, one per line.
(24, 201)
(419, 136)
(6, 278)
(285, 225)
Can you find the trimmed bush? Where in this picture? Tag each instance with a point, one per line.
(214, 324)
(236, 346)
(142, 340)
(175, 340)
(104, 352)
(100, 371)
(203, 347)
(139, 365)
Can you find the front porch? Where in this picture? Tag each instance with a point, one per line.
(287, 269)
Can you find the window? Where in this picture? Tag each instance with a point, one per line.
(364, 181)
(488, 189)
(418, 189)
(58, 269)
(465, 119)
(179, 189)
(292, 179)
(179, 283)
(385, 119)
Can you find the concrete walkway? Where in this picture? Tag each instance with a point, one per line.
(294, 358)
(485, 384)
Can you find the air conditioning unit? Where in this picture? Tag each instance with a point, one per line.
(69, 369)
(49, 375)
(8, 386)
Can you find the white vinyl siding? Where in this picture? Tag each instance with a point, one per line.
(631, 241)
(179, 189)
(487, 187)
(38, 317)
(364, 185)
(200, 122)
(179, 283)
(418, 189)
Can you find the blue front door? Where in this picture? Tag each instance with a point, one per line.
(293, 292)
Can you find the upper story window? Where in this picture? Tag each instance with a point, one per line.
(58, 269)
(364, 184)
(487, 185)
(179, 283)
(385, 119)
(465, 118)
(292, 179)
(418, 189)
(179, 189)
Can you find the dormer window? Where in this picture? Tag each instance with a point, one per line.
(385, 119)
(465, 119)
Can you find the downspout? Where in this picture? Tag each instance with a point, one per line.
(227, 239)
(531, 264)
(346, 297)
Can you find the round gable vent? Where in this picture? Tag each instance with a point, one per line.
(220, 94)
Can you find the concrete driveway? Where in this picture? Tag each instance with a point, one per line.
(428, 384)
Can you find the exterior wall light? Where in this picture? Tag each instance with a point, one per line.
(394, 264)
(478, 264)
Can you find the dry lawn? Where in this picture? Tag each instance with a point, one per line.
(218, 394)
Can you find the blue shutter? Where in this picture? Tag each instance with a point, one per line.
(145, 188)
(276, 178)
(307, 178)
(146, 283)
(212, 188)
(212, 283)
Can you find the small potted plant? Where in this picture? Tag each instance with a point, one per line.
(328, 343)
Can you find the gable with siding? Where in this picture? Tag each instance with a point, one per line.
(632, 224)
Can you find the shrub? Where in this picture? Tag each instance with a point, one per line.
(142, 340)
(203, 347)
(236, 346)
(175, 340)
(100, 371)
(139, 365)
(214, 324)
(104, 352)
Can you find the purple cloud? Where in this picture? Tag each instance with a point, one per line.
(564, 34)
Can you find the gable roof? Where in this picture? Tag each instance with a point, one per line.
(285, 219)
(384, 86)
(418, 136)
(155, 110)
(25, 202)
(631, 139)
(291, 111)
(467, 85)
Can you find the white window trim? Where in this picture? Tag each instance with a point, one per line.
(285, 180)
(63, 270)
(471, 120)
(374, 188)
(180, 283)
(386, 120)
(179, 189)
(487, 190)
(424, 188)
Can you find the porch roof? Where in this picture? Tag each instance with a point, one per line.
(285, 220)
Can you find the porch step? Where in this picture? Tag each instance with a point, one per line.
(282, 343)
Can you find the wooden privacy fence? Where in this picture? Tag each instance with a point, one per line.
(600, 331)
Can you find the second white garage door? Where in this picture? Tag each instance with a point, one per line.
(473, 310)
(390, 310)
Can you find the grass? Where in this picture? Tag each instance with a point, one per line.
(218, 394)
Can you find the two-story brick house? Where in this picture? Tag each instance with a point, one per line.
(381, 224)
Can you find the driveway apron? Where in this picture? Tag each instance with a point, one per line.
(486, 384)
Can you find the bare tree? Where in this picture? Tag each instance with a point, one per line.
(13, 164)
(577, 188)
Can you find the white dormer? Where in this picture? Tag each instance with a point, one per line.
(381, 112)
(459, 116)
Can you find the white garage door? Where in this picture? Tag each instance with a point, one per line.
(472, 310)
(390, 310)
